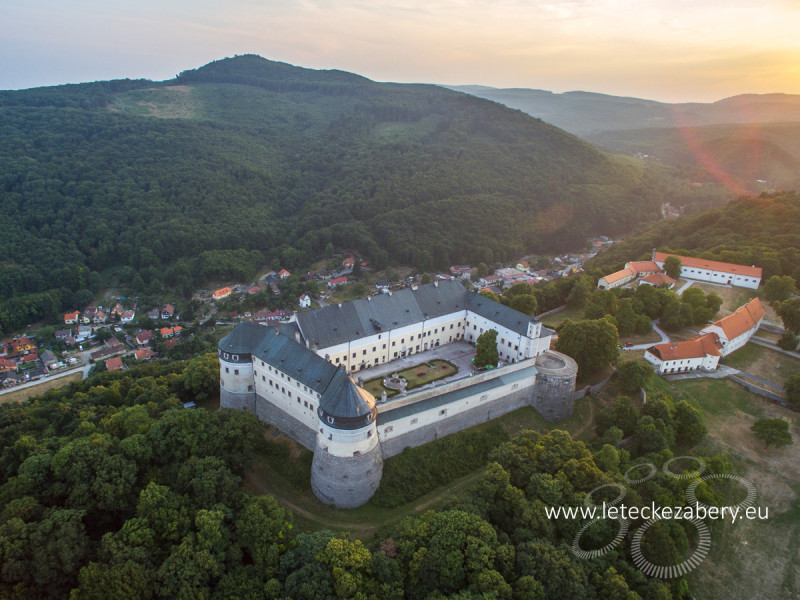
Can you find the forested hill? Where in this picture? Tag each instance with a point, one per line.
(247, 154)
(762, 231)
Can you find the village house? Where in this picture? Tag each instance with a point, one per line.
(167, 312)
(71, 318)
(336, 282)
(304, 301)
(460, 271)
(99, 318)
(283, 274)
(144, 354)
(127, 317)
(221, 293)
(144, 337)
(114, 364)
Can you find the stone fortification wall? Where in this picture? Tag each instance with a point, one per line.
(482, 413)
(237, 400)
(555, 385)
(298, 431)
(345, 481)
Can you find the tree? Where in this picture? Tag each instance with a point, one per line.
(592, 343)
(779, 288)
(772, 431)
(201, 376)
(689, 425)
(789, 311)
(672, 266)
(788, 340)
(486, 353)
(525, 303)
(673, 317)
(792, 387)
(633, 374)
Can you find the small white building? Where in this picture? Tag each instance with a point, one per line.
(305, 301)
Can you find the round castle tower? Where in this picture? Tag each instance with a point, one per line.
(236, 370)
(347, 464)
(555, 385)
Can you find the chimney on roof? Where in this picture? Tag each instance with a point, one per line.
(436, 283)
(369, 298)
(340, 305)
(297, 337)
(307, 344)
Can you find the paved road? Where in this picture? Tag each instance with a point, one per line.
(84, 370)
(659, 331)
(721, 372)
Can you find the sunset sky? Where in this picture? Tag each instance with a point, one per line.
(669, 50)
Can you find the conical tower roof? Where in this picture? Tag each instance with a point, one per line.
(346, 405)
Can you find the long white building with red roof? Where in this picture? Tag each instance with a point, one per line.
(714, 271)
(704, 351)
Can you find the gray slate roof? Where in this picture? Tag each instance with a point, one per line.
(243, 339)
(339, 395)
(294, 359)
(336, 324)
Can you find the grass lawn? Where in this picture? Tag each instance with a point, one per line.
(734, 297)
(762, 362)
(553, 321)
(41, 388)
(415, 376)
(744, 560)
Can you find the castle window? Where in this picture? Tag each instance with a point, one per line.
(393, 344)
(384, 346)
(283, 390)
(337, 360)
(414, 421)
(451, 325)
(363, 353)
(270, 383)
(516, 347)
(227, 370)
(236, 371)
(412, 338)
(443, 412)
(290, 395)
(369, 434)
(354, 354)
(395, 355)
(374, 348)
(263, 378)
(235, 357)
(249, 388)
(304, 402)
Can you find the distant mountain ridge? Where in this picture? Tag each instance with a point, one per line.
(175, 178)
(585, 113)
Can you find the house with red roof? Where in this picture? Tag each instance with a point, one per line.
(144, 337)
(114, 364)
(714, 341)
(336, 282)
(222, 293)
(283, 273)
(144, 354)
(714, 271)
(71, 318)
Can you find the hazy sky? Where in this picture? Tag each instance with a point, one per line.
(670, 50)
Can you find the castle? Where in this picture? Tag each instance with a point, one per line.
(299, 377)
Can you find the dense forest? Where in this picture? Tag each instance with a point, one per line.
(761, 231)
(110, 490)
(279, 162)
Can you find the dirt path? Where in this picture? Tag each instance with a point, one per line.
(589, 422)
(368, 524)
